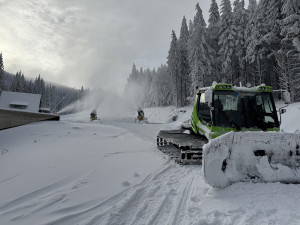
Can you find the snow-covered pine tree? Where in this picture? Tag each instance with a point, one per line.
(251, 8)
(190, 26)
(134, 74)
(173, 69)
(240, 19)
(19, 83)
(288, 69)
(290, 23)
(164, 94)
(23, 84)
(272, 39)
(2, 84)
(39, 88)
(53, 95)
(50, 96)
(184, 67)
(30, 87)
(214, 14)
(134, 87)
(149, 78)
(213, 34)
(256, 48)
(142, 83)
(200, 53)
(81, 93)
(227, 40)
(13, 86)
(153, 89)
(288, 57)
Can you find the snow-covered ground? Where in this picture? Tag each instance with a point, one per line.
(75, 171)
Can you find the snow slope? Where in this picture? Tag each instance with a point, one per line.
(110, 172)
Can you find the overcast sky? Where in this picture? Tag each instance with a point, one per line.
(89, 42)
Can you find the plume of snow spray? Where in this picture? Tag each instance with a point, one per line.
(108, 104)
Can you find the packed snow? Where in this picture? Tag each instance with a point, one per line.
(75, 171)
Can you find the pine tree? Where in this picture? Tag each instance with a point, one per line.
(240, 19)
(190, 26)
(134, 74)
(256, 48)
(30, 87)
(2, 85)
(270, 42)
(164, 93)
(23, 84)
(39, 88)
(288, 57)
(173, 69)
(150, 100)
(227, 39)
(252, 8)
(184, 67)
(213, 34)
(149, 80)
(19, 83)
(200, 53)
(290, 24)
(13, 85)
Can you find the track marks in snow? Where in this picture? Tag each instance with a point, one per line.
(164, 199)
(42, 198)
(182, 203)
(166, 196)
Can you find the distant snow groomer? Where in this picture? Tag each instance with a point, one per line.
(93, 115)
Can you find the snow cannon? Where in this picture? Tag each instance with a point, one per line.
(93, 115)
(141, 116)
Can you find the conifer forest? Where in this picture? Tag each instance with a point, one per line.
(256, 45)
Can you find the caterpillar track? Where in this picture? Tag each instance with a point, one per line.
(182, 147)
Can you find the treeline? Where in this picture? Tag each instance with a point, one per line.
(53, 97)
(149, 87)
(260, 44)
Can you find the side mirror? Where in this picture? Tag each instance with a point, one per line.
(281, 111)
(286, 97)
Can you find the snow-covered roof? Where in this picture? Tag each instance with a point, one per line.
(11, 100)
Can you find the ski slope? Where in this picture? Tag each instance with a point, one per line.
(75, 171)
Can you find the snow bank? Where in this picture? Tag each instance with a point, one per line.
(252, 156)
(290, 119)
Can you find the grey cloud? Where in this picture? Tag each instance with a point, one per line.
(89, 42)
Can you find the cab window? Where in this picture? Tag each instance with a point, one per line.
(203, 111)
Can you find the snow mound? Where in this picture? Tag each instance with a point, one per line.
(252, 156)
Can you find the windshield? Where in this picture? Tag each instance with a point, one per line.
(244, 109)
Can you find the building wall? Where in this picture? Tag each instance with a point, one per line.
(13, 118)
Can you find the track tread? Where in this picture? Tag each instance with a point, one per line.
(178, 145)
